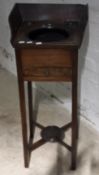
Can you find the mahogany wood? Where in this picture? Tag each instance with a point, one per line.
(30, 104)
(23, 111)
(46, 58)
(54, 61)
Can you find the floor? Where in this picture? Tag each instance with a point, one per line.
(52, 158)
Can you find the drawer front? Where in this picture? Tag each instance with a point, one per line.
(47, 73)
(46, 57)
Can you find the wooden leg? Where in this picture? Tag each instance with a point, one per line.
(22, 109)
(74, 129)
(30, 104)
(77, 135)
(74, 117)
(24, 122)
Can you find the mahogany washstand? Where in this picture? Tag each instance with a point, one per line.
(46, 38)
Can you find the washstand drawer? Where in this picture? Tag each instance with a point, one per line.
(47, 73)
(46, 57)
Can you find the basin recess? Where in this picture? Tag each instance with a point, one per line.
(48, 35)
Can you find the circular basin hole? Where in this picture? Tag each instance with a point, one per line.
(48, 35)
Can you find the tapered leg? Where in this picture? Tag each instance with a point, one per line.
(77, 135)
(22, 109)
(74, 115)
(74, 129)
(30, 104)
(24, 123)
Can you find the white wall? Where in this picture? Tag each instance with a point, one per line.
(88, 60)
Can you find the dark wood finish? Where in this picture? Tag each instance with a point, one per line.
(55, 12)
(38, 125)
(37, 144)
(73, 78)
(43, 14)
(23, 110)
(65, 145)
(66, 127)
(30, 104)
(47, 74)
(46, 58)
(47, 61)
(74, 111)
(46, 65)
(47, 12)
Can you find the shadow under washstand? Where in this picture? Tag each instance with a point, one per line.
(62, 163)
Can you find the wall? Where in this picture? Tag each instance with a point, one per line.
(88, 62)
